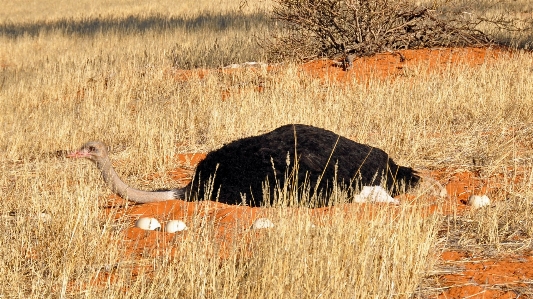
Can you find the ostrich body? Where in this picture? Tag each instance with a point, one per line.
(241, 168)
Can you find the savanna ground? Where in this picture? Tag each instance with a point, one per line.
(93, 70)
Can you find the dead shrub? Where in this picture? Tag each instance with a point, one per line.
(326, 28)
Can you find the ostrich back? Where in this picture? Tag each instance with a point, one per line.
(322, 157)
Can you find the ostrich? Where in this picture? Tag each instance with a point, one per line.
(242, 170)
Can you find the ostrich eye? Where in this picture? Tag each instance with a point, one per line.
(92, 149)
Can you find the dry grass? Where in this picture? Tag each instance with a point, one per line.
(514, 18)
(60, 89)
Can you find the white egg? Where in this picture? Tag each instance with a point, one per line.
(148, 223)
(375, 194)
(175, 226)
(478, 201)
(260, 223)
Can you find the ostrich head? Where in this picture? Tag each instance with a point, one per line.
(95, 151)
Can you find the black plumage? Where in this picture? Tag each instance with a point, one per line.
(242, 166)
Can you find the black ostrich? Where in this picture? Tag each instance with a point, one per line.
(241, 168)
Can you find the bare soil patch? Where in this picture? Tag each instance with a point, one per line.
(401, 63)
(384, 65)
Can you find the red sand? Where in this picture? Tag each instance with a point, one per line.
(385, 65)
(397, 64)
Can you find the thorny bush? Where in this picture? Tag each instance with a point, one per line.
(326, 28)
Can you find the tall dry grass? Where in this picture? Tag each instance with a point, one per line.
(509, 22)
(59, 89)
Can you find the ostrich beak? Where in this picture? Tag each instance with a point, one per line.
(78, 154)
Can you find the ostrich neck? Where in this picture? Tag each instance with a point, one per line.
(119, 187)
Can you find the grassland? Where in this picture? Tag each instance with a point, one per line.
(95, 71)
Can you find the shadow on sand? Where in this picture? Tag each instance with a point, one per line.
(134, 24)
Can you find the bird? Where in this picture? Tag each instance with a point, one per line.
(251, 171)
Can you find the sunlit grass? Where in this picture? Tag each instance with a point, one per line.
(91, 71)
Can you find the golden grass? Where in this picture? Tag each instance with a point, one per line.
(19, 12)
(59, 90)
(516, 16)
